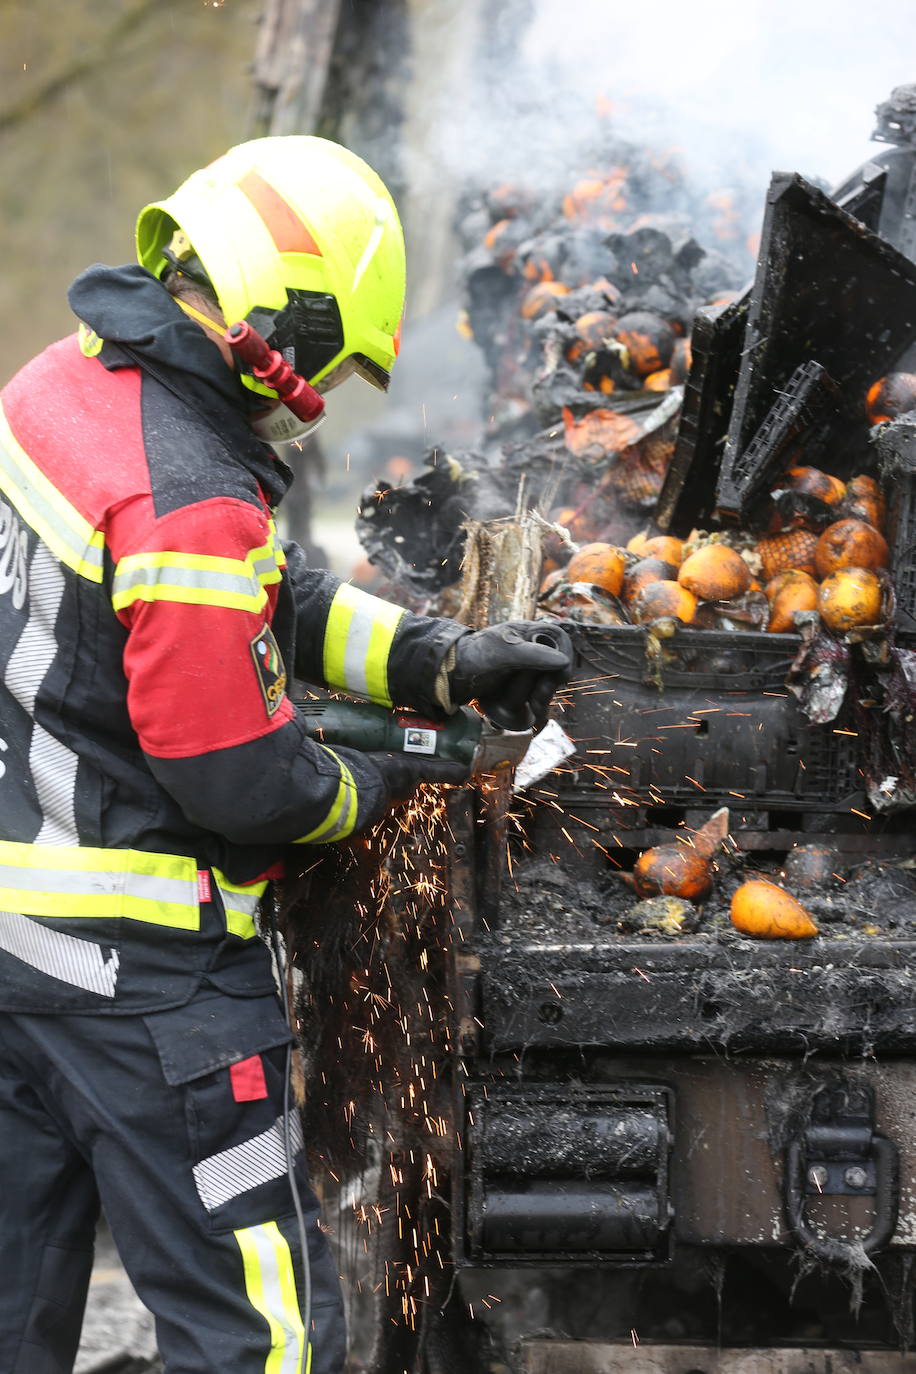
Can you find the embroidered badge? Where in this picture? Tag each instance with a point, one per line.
(270, 669)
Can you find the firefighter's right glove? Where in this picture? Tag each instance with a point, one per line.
(404, 773)
(516, 667)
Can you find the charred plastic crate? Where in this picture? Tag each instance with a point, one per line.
(896, 447)
(701, 720)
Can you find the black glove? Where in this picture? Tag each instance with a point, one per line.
(512, 669)
(403, 773)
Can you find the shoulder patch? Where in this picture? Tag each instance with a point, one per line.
(269, 667)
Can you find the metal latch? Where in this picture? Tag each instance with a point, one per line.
(840, 1154)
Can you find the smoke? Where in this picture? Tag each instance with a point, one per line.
(741, 89)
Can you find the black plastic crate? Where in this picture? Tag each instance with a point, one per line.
(826, 290)
(896, 447)
(797, 428)
(711, 723)
(687, 497)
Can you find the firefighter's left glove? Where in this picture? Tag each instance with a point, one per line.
(517, 665)
(404, 773)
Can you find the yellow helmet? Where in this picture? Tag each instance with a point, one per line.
(298, 236)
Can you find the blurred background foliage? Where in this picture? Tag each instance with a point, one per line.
(104, 105)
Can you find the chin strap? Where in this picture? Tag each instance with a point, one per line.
(199, 316)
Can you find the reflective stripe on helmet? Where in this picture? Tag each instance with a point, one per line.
(286, 228)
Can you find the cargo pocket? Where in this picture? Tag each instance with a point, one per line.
(229, 1056)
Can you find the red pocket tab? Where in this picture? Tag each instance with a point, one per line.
(247, 1078)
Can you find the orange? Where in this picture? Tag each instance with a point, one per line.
(850, 597)
(763, 909)
(658, 599)
(542, 298)
(601, 564)
(850, 544)
(785, 579)
(665, 547)
(638, 543)
(645, 571)
(813, 482)
(673, 870)
(798, 592)
(865, 501)
(715, 572)
(890, 396)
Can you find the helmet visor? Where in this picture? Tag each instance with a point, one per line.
(355, 365)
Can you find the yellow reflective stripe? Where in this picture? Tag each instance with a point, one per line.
(270, 1283)
(67, 533)
(240, 904)
(279, 553)
(90, 343)
(357, 641)
(341, 819)
(72, 881)
(200, 579)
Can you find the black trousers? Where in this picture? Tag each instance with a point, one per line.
(174, 1122)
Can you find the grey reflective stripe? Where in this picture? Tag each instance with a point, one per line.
(94, 883)
(36, 647)
(238, 584)
(281, 1312)
(247, 903)
(267, 566)
(258, 1160)
(73, 546)
(81, 963)
(356, 653)
(53, 766)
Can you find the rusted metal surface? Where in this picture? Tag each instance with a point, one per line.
(575, 1357)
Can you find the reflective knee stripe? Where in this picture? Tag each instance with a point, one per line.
(341, 819)
(270, 1283)
(218, 1178)
(80, 963)
(58, 524)
(357, 641)
(68, 880)
(240, 904)
(199, 579)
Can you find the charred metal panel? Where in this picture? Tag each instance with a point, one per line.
(564, 1173)
(644, 1357)
(896, 448)
(860, 994)
(826, 290)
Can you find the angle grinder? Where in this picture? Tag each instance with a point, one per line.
(466, 737)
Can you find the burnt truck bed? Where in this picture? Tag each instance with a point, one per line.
(643, 1085)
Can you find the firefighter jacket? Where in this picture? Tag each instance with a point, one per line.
(152, 766)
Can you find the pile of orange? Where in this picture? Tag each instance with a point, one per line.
(835, 571)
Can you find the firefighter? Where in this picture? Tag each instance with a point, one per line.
(153, 769)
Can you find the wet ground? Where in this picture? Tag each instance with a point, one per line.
(118, 1330)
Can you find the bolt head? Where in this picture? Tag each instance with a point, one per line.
(855, 1176)
(817, 1176)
